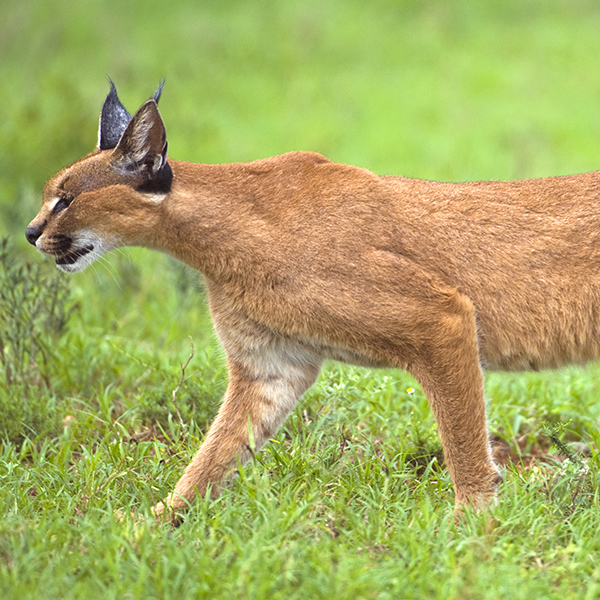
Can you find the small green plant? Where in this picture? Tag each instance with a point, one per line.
(571, 486)
(34, 310)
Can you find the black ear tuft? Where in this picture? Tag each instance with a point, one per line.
(114, 119)
(158, 92)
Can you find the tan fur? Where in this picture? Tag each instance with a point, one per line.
(307, 260)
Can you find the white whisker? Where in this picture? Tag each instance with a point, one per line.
(111, 270)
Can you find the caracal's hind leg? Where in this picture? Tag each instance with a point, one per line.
(414, 321)
(449, 372)
(263, 388)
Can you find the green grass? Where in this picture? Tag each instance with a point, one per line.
(351, 499)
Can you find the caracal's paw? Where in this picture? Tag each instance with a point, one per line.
(478, 497)
(169, 512)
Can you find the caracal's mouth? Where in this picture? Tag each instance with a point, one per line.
(70, 258)
(80, 252)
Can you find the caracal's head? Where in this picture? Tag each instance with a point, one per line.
(111, 197)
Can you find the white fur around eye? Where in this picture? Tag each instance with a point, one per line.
(52, 204)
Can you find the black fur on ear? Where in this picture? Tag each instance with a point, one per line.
(114, 117)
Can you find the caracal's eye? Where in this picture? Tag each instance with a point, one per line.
(63, 202)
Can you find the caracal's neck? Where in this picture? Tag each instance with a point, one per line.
(221, 219)
(207, 219)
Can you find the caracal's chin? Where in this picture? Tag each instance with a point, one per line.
(85, 249)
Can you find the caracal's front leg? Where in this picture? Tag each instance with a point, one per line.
(264, 386)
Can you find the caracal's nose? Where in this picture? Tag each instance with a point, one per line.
(32, 234)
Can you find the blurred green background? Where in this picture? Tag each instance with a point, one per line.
(441, 89)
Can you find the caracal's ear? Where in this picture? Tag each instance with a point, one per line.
(142, 148)
(114, 117)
